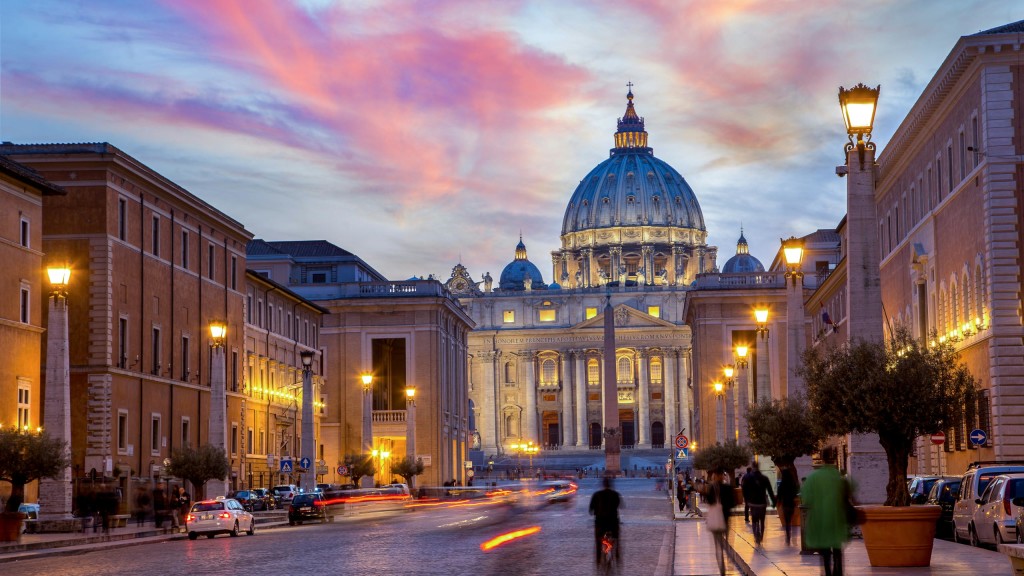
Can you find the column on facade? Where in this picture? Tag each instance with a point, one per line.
(489, 412)
(643, 405)
(729, 398)
(671, 265)
(647, 253)
(743, 387)
(588, 267)
(669, 385)
(530, 429)
(567, 415)
(614, 263)
(763, 377)
(580, 378)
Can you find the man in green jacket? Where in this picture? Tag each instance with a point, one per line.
(824, 494)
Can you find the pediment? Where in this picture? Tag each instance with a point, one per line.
(626, 317)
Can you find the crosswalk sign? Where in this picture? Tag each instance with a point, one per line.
(682, 454)
(286, 465)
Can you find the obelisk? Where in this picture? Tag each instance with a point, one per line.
(612, 433)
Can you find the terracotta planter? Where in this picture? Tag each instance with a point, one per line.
(899, 536)
(10, 526)
(796, 512)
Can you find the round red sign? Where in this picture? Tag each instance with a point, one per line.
(939, 438)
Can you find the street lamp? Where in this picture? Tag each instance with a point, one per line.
(308, 449)
(410, 427)
(55, 493)
(218, 400)
(859, 104)
(742, 386)
(793, 250)
(761, 319)
(367, 379)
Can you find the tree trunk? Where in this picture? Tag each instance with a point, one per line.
(896, 493)
(16, 498)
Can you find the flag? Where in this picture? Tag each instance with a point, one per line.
(826, 320)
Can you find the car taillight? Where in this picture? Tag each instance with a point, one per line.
(224, 515)
(190, 518)
(1007, 506)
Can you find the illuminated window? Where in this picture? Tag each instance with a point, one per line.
(591, 312)
(24, 404)
(547, 315)
(655, 370)
(625, 374)
(593, 372)
(547, 372)
(654, 311)
(509, 316)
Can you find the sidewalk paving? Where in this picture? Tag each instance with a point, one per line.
(694, 554)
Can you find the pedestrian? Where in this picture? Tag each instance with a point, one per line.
(743, 486)
(825, 494)
(718, 494)
(789, 488)
(142, 502)
(604, 507)
(681, 492)
(183, 503)
(757, 490)
(159, 505)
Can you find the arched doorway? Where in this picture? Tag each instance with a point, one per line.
(628, 429)
(657, 435)
(549, 429)
(595, 435)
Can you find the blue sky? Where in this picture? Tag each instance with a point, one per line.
(421, 134)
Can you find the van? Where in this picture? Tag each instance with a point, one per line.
(972, 486)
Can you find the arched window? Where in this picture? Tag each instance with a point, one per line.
(940, 312)
(511, 426)
(625, 372)
(593, 372)
(510, 372)
(953, 313)
(979, 293)
(547, 372)
(965, 309)
(656, 370)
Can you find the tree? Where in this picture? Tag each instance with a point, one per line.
(728, 457)
(359, 465)
(899, 389)
(198, 465)
(28, 456)
(782, 429)
(408, 469)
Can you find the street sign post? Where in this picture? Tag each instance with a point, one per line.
(305, 463)
(286, 465)
(978, 436)
(682, 441)
(939, 438)
(342, 470)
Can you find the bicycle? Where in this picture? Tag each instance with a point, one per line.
(608, 564)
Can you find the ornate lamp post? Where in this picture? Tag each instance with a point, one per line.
(793, 250)
(730, 402)
(367, 447)
(55, 493)
(308, 450)
(410, 426)
(719, 416)
(743, 387)
(763, 381)
(218, 401)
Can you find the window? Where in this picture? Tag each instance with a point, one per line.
(625, 371)
(122, 431)
(184, 249)
(156, 351)
(210, 268)
(24, 404)
(122, 218)
(974, 138)
(248, 441)
(25, 236)
(261, 447)
(122, 342)
(184, 359)
(510, 373)
(259, 313)
(154, 434)
(248, 308)
(234, 273)
(234, 370)
(547, 315)
(25, 303)
(186, 432)
(938, 180)
(963, 156)
(547, 372)
(509, 316)
(270, 317)
(656, 370)
(288, 326)
(234, 438)
(591, 312)
(593, 372)
(318, 278)
(654, 311)
(949, 167)
(984, 414)
(156, 236)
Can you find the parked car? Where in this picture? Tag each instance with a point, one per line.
(220, 516)
(269, 502)
(919, 487)
(248, 499)
(972, 485)
(30, 510)
(995, 520)
(308, 506)
(943, 494)
(285, 493)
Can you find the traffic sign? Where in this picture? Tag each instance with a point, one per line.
(939, 438)
(682, 454)
(305, 463)
(342, 470)
(978, 436)
(682, 441)
(286, 465)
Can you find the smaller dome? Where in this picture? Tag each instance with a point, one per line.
(521, 272)
(555, 286)
(742, 262)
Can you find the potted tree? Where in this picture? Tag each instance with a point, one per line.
(25, 457)
(899, 389)
(198, 465)
(783, 430)
(359, 465)
(408, 469)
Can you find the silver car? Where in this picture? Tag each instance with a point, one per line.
(995, 520)
(220, 516)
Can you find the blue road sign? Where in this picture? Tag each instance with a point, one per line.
(682, 454)
(286, 465)
(305, 463)
(978, 436)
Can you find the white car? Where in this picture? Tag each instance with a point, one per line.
(995, 520)
(972, 487)
(220, 516)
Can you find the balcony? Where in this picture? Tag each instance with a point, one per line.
(389, 423)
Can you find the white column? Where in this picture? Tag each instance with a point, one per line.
(643, 405)
(668, 363)
(218, 415)
(530, 429)
(743, 387)
(487, 423)
(308, 448)
(55, 493)
(410, 432)
(763, 377)
(794, 335)
(719, 418)
(367, 432)
(582, 428)
(567, 414)
(728, 399)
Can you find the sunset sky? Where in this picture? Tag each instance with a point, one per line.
(421, 134)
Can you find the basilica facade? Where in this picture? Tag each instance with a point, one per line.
(633, 238)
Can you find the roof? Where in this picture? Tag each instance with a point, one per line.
(1011, 28)
(295, 248)
(30, 177)
(256, 276)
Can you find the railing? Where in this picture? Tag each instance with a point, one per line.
(389, 416)
(748, 280)
(402, 289)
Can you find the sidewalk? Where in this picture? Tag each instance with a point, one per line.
(694, 554)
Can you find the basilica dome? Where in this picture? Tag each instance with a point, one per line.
(632, 194)
(742, 262)
(521, 274)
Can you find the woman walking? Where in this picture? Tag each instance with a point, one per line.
(789, 488)
(719, 497)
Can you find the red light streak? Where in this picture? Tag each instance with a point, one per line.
(508, 537)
